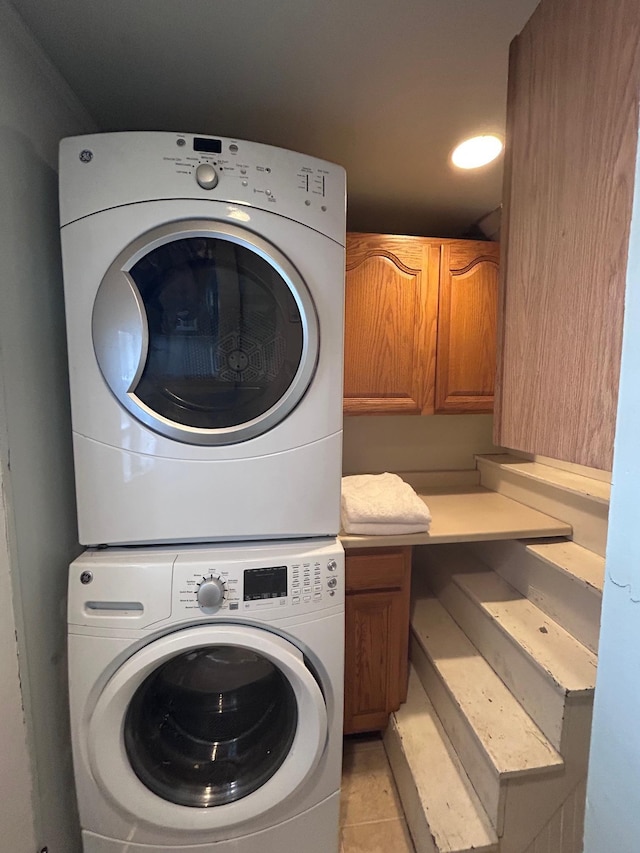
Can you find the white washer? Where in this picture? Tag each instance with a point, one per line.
(204, 290)
(206, 694)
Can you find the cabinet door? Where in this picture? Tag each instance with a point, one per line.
(390, 324)
(572, 127)
(377, 634)
(466, 352)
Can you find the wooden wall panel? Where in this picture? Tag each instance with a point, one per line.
(569, 173)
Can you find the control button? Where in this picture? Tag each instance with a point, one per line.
(233, 148)
(295, 599)
(245, 183)
(306, 598)
(206, 176)
(317, 596)
(210, 593)
(332, 583)
(332, 565)
(332, 592)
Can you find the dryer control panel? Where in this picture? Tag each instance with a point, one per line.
(102, 171)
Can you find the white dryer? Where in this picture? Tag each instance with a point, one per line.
(206, 694)
(204, 290)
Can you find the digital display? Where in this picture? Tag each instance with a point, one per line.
(211, 146)
(265, 583)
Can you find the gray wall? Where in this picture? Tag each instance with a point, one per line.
(613, 793)
(36, 110)
(413, 443)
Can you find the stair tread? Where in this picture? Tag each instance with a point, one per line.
(578, 484)
(570, 665)
(511, 740)
(572, 559)
(452, 809)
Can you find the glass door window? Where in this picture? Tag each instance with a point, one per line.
(225, 333)
(205, 333)
(210, 726)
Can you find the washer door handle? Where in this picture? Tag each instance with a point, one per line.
(120, 332)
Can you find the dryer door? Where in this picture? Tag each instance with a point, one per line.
(207, 728)
(205, 332)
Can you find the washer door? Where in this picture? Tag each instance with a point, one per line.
(207, 728)
(205, 332)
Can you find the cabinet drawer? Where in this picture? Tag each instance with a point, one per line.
(380, 568)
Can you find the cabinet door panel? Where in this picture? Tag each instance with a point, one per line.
(376, 637)
(390, 323)
(367, 659)
(466, 354)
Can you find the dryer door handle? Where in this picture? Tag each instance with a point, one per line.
(120, 332)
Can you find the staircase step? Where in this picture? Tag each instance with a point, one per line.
(490, 731)
(578, 500)
(443, 811)
(560, 577)
(571, 558)
(544, 667)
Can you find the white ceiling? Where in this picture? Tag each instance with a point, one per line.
(383, 87)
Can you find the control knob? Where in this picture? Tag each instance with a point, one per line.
(211, 593)
(332, 583)
(206, 176)
(332, 565)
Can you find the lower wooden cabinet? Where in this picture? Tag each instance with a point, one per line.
(377, 636)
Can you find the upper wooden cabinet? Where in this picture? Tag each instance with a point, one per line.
(390, 324)
(572, 127)
(466, 352)
(420, 325)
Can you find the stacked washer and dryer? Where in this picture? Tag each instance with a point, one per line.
(204, 289)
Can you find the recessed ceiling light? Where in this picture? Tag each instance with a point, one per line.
(476, 152)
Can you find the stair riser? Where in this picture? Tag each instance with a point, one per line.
(587, 517)
(564, 598)
(417, 821)
(540, 696)
(473, 757)
(408, 793)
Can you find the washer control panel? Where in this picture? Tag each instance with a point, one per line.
(255, 586)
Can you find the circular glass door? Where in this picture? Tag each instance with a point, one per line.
(210, 726)
(207, 728)
(205, 332)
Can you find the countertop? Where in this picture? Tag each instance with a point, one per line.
(468, 513)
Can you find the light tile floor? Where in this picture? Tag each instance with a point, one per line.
(371, 817)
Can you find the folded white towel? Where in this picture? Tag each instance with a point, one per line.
(382, 499)
(381, 529)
